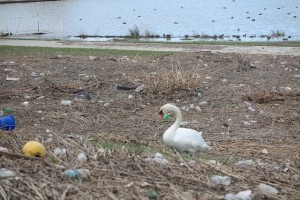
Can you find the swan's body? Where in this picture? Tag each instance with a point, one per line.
(181, 139)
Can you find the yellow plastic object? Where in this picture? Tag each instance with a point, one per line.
(34, 149)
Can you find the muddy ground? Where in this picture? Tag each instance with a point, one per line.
(250, 110)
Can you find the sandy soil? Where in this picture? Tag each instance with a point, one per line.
(249, 102)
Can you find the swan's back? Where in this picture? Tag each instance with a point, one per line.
(188, 140)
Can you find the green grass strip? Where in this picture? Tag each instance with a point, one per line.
(39, 51)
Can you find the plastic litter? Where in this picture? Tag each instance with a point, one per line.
(12, 79)
(245, 162)
(203, 103)
(251, 109)
(7, 123)
(83, 96)
(60, 151)
(79, 173)
(140, 88)
(3, 149)
(82, 157)
(267, 189)
(264, 151)
(66, 102)
(243, 195)
(158, 158)
(6, 173)
(220, 180)
(197, 108)
(152, 194)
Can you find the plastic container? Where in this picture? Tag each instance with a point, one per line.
(7, 122)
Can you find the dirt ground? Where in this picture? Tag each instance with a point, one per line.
(250, 110)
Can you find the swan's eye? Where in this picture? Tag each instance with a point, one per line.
(161, 112)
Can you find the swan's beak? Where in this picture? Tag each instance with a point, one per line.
(161, 114)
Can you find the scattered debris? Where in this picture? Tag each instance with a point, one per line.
(220, 180)
(243, 195)
(34, 149)
(82, 96)
(82, 157)
(158, 158)
(140, 88)
(266, 189)
(245, 162)
(60, 151)
(12, 79)
(152, 194)
(6, 173)
(79, 173)
(66, 102)
(264, 151)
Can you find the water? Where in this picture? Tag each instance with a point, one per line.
(69, 18)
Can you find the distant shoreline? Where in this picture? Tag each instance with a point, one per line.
(21, 1)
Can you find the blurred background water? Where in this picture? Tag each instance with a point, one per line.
(178, 18)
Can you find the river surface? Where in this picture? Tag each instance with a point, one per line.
(68, 18)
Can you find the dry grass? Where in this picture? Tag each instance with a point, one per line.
(167, 81)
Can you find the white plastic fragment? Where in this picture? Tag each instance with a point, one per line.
(243, 195)
(203, 103)
(82, 157)
(264, 151)
(12, 79)
(25, 103)
(3, 149)
(34, 74)
(246, 123)
(266, 189)
(197, 108)
(224, 80)
(6, 173)
(285, 89)
(92, 57)
(220, 180)
(245, 162)
(40, 97)
(130, 96)
(251, 109)
(84, 173)
(140, 88)
(158, 158)
(60, 151)
(66, 102)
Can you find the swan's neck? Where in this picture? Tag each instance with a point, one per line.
(170, 132)
(178, 117)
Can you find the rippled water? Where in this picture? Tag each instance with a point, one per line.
(69, 18)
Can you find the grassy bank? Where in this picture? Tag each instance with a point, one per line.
(26, 51)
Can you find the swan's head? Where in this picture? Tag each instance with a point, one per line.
(165, 109)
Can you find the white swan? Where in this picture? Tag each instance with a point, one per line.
(182, 139)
